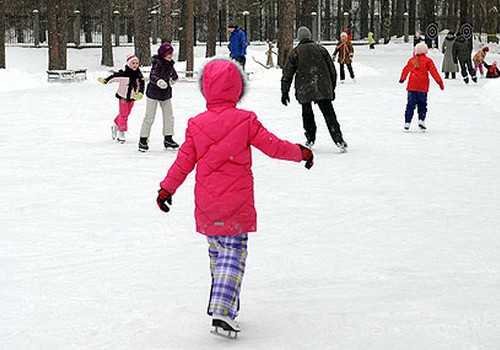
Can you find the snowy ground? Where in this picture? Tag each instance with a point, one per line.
(393, 245)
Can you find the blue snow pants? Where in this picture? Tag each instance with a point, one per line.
(416, 99)
(227, 265)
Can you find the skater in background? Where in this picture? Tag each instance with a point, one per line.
(237, 44)
(345, 50)
(315, 81)
(130, 89)
(449, 66)
(418, 68)
(218, 144)
(478, 59)
(462, 49)
(492, 71)
(159, 92)
(371, 40)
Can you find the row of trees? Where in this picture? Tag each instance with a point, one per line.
(287, 15)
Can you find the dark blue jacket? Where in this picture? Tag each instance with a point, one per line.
(161, 69)
(238, 43)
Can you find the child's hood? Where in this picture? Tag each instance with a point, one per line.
(222, 82)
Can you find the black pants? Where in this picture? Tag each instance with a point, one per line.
(241, 60)
(447, 75)
(309, 124)
(342, 71)
(467, 66)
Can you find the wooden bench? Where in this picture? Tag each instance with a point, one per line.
(67, 75)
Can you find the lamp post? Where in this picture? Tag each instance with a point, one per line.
(245, 24)
(314, 26)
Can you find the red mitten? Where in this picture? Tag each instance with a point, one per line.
(164, 197)
(307, 155)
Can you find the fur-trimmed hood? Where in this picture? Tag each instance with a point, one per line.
(222, 81)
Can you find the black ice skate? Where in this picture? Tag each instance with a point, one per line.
(169, 143)
(474, 79)
(225, 326)
(309, 140)
(340, 143)
(143, 144)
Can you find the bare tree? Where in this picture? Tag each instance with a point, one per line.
(142, 32)
(166, 19)
(2, 36)
(363, 7)
(189, 37)
(57, 18)
(386, 21)
(286, 31)
(212, 28)
(107, 45)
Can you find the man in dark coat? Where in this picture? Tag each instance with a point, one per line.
(462, 50)
(315, 81)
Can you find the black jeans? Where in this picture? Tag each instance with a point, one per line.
(309, 124)
(242, 60)
(342, 71)
(467, 66)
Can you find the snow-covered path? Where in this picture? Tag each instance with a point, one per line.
(393, 245)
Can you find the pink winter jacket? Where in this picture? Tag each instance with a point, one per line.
(218, 142)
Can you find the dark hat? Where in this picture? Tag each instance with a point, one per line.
(165, 49)
(232, 25)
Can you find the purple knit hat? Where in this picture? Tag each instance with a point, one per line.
(165, 49)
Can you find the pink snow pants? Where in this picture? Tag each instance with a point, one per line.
(479, 66)
(122, 117)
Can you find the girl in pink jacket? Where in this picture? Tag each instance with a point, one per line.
(130, 89)
(218, 143)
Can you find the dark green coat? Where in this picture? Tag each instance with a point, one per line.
(462, 49)
(314, 71)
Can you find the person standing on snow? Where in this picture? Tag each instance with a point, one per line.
(218, 143)
(419, 67)
(159, 92)
(478, 59)
(130, 89)
(462, 50)
(237, 44)
(346, 52)
(448, 65)
(315, 81)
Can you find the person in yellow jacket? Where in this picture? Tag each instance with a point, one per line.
(346, 52)
(371, 40)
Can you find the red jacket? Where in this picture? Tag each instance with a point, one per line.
(218, 142)
(419, 68)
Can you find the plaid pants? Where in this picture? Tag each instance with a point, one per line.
(227, 265)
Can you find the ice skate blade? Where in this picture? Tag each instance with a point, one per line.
(224, 333)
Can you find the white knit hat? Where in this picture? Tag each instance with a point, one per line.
(421, 48)
(130, 58)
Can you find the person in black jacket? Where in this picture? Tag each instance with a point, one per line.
(315, 81)
(462, 50)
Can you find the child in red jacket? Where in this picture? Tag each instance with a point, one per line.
(218, 143)
(419, 67)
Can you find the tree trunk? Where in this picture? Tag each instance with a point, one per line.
(363, 7)
(107, 24)
(2, 37)
(182, 30)
(189, 37)
(166, 20)
(412, 11)
(141, 32)
(400, 9)
(464, 12)
(57, 18)
(386, 21)
(286, 31)
(212, 28)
